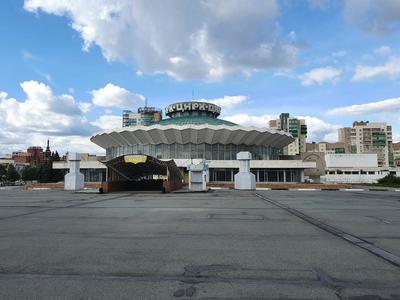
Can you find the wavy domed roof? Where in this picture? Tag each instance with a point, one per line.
(194, 120)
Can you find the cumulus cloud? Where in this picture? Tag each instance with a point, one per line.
(107, 122)
(185, 39)
(43, 112)
(42, 115)
(319, 130)
(228, 102)
(390, 70)
(388, 105)
(320, 76)
(249, 120)
(114, 96)
(377, 17)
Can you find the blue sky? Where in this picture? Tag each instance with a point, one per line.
(70, 67)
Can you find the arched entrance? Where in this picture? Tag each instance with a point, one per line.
(138, 172)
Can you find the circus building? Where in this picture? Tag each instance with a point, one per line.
(193, 131)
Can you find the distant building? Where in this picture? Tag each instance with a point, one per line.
(144, 116)
(355, 168)
(396, 153)
(327, 148)
(47, 153)
(296, 127)
(33, 156)
(90, 166)
(366, 137)
(345, 138)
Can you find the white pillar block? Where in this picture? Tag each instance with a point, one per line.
(244, 180)
(74, 180)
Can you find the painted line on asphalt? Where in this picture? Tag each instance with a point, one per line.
(263, 189)
(354, 240)
(353, 190)
(397, 190)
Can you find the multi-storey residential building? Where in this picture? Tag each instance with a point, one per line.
(327, 148)
(396, 153)
(297, 128)
(144, 116)
(345, 138)
(369, 137)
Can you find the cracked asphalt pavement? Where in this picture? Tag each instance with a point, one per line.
(217, 245)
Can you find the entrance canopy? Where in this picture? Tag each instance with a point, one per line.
(134, 167)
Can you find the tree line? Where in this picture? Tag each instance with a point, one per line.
(43, 173)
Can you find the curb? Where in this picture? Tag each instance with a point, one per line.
(353, 190)
(304, 189)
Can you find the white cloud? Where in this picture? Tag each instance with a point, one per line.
(249, 120)
(391, 70)
(228, 102)
(388, 105)
(27, 56)
(185, 39)
(383, 50)
(320, 76)
(377, 17)
(43, 112)
(319, 130)
(43, 115)
(107, 122)
(114, 96)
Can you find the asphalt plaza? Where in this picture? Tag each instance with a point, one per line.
(218, 245)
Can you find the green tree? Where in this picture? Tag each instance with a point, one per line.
(30, 173)
(3, 172)
(55, 156)
(44, 174)
(12, 173)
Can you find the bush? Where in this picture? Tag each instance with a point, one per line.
(30, 173)
(12, 174)
(390, 180)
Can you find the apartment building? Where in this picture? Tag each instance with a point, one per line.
(396, 154)
(327, 148)
(144, 116)
(366, 137)
(296, 127)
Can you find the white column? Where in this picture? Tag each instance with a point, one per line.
(74, 180)
(244, 180)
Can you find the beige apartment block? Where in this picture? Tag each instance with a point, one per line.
(327, 148)
(366, 137)
(396, 153)
(296, 127)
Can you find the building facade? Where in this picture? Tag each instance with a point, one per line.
(90, 166)
(296, 127)
(327, 148)
(144, 116)
(396, 154)
(355, 168)
(366, 137)
(193, 131)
